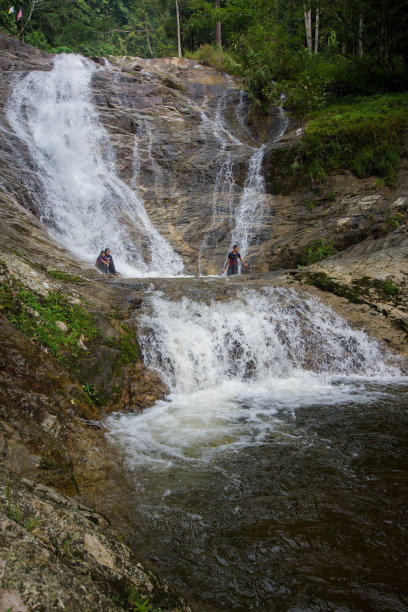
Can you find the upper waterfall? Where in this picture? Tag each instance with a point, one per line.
(84, 202)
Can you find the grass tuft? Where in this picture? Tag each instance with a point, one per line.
(217, 58)
(317, 251)
(64, 277)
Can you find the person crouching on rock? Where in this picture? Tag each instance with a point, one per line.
(112, 268)
(232, 261)
(102, 263)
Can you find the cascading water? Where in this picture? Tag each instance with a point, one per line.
(248, 358)
(224, 186)
(270, 478)
(84, 202)
(257, 476)
(249, 216)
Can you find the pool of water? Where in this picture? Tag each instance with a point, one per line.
(311, 517)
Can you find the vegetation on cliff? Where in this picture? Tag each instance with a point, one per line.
(364, 135)
(315, 50)
(68, 329)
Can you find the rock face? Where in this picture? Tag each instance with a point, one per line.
(56, 555)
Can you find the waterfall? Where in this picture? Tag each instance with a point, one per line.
(276, 333)
(224, 186)
(84, 202)
(247, 219)
(232, 366)
(249, 216)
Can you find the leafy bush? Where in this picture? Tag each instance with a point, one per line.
(363, 135)
(217, 58)
(317, 251)
(38, 39)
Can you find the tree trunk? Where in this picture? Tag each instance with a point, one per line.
(30, 14)
(148, 38)
(360, 36)
(343, 47)
(178, 31)
(316, 45)
(218, 27)
(307, 11)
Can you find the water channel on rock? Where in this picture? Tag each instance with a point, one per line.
(273, 475)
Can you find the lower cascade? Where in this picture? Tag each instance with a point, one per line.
(230, 363)
(256, 462)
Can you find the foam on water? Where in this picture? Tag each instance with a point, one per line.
(231, 367)
(84, 202)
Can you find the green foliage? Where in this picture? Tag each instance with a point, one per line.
(364, 135)
(359, 292)
(36, 317)
(325, 283)
(64, 277)
(92, 393)
(317, 251)
(14, 512)
(263, 40)
(39, 40)
(217, 58)
(32, 524)
(129, 350)
(138, 603)
(388, 288)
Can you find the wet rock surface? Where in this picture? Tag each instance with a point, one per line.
(53, 438)
(56, 554)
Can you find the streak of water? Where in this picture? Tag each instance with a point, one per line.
(224, 186)
(249, 216)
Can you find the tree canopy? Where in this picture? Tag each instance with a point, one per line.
(313, 48)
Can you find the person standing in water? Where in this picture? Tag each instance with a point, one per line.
(232, 261)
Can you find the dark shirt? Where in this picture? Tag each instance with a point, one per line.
(233, 258)
(102, 264)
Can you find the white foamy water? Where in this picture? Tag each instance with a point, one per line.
(249, 216)
(224, 186)
(84, 202)
(231, 367)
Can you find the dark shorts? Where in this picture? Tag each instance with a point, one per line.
(232, 270)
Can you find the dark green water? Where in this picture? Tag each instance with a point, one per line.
(311, 517)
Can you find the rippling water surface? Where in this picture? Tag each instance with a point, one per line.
(274, 477)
